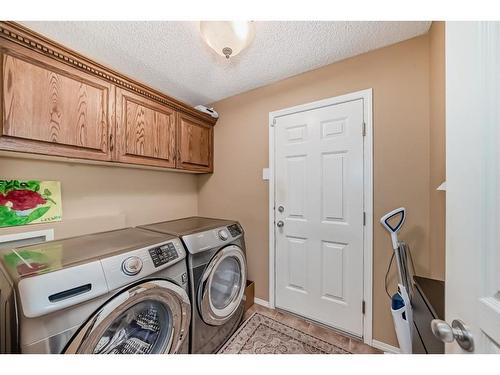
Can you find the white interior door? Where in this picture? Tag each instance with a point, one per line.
(473, 172)
(319, 214)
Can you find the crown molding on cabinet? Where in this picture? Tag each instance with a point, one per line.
(27, 38)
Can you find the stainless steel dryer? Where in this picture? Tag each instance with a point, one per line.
(122, 291)
(217, 273)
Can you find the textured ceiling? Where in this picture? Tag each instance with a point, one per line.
(172, 57)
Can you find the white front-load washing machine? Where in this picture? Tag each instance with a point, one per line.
(123, 291)
(217, 274)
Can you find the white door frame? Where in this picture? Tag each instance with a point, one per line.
(366, 96)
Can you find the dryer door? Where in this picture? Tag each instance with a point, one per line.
(148, 318)
(222, 285)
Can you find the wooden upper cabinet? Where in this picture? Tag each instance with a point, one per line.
(145, 131)
(56, 102)
(49, 109)
(195, 144)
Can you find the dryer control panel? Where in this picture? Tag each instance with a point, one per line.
(210, 239)
(235, 230)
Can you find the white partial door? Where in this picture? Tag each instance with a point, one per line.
(473, 189)
(319, 214)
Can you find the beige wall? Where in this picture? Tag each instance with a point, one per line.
(437, 150)
(399, 76)
(99, 198)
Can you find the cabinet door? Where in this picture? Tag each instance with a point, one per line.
(49, 109)
(145, 131)
(195, 144)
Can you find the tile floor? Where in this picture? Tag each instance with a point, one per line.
(350, 344)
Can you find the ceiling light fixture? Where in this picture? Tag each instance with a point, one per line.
(227, 38)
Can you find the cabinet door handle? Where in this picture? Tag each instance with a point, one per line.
(111, 145)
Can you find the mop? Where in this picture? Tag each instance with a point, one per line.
(401, 301)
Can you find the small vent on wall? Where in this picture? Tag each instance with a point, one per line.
(24, 239)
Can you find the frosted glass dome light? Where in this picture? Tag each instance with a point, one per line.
(227, 38)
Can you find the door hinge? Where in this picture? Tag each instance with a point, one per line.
(364, 129)
(273, 123)
(363, 307)
(364, 218)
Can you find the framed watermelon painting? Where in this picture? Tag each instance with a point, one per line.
(29, 202)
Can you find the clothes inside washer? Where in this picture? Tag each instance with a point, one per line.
(143, 329)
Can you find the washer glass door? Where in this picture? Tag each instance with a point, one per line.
(145, 328)
(223, 285)
(149, 318)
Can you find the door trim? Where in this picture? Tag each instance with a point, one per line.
(366, 96)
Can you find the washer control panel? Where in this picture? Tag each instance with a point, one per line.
(122, 269)
(163, 254)
(132, 265)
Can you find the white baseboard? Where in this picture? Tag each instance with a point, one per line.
(386, 348)
(261, 302)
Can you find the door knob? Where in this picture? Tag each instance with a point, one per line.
(280, 224)
(458, 331)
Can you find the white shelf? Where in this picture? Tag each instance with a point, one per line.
(442, 187)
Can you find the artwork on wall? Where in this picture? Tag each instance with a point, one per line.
(29, 202)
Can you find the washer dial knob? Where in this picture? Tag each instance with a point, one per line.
(223, 235)
(132, 266)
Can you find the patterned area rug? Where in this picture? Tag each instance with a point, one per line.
(263, 335)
